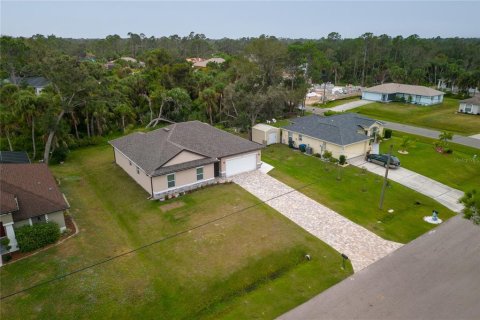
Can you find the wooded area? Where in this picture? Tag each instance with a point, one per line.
(262, 78)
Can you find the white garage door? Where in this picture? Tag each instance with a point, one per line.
(241, 164)
(272, 138)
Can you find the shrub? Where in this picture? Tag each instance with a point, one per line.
(318, 155)
(30, 238)
(333, 160)
(342, 159)
(388, 133)
(5, 242)
(327, 154)
(6, 257)
(59, 154)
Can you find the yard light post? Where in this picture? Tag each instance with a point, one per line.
(385, 180)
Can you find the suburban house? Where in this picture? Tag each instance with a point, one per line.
(183, 156)
(347, 134)
(388, 92)
(14, 157)
(38, 83)
(265, 134)
(470, 106)
(29, 194)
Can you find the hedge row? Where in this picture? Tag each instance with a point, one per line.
(30, 238)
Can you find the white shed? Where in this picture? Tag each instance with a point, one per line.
(265, 134)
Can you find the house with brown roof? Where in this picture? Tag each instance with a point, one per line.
(29, 194)
(470, 106)
(183, 156)
(388, 92)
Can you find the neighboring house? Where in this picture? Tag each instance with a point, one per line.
(29, 195)
(470, 106)
(203, 63)
(14, 157)
(347, 134)
(265, 134)
(183, 156)
(394, 91)
(38, 83)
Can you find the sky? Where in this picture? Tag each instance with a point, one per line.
(236, 19)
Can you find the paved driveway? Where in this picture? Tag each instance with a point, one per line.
(350, 105)
(360, 245)
(436, 276)
(438, 191)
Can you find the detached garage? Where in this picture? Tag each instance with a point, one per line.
(265, 134)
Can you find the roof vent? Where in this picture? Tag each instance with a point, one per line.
(166, 129)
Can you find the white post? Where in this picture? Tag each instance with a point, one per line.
(11, 235)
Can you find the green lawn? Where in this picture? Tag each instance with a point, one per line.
(439, 117)
(458, 170)
(334, 103)
(249, 265)
(356, 195)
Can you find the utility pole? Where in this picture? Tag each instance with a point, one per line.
(385, 180)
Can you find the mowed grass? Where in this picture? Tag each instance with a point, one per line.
(355, 194)
(248, 265)
(458, 170)
(439, 117)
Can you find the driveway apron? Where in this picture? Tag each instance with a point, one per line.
(438, 191)
(363, 247)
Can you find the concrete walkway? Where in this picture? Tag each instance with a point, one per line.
(433, 277)
(340, 108)
(438, 191)
(466, 141)
(361, 246)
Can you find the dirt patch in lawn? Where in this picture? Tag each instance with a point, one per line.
(170, 206)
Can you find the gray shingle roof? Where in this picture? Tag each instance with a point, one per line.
(474, 100)
(36, 82)
(150, 151)
(341, 129)
(404, 88)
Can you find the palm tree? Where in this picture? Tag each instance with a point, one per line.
(26, 106)
(406, 143)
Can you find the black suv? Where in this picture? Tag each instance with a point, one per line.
(382, 160)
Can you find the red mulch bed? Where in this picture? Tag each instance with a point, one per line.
(70, 226)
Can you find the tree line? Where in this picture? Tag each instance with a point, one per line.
(262, 78)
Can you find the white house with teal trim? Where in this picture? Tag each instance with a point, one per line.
(412, 94)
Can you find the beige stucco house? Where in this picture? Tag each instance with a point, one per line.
(347, 134)
(184, 156)
(29, 194)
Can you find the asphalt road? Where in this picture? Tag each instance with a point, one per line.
(466, 141)
(436, 276)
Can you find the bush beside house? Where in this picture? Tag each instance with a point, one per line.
(32, 237)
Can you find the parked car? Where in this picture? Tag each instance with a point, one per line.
(382, 160)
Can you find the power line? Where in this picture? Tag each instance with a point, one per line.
(151, 243)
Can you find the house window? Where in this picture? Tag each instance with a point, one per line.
(300, 137)
(39, 219)
(138, 170)
(171, 180)
(199, 174)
